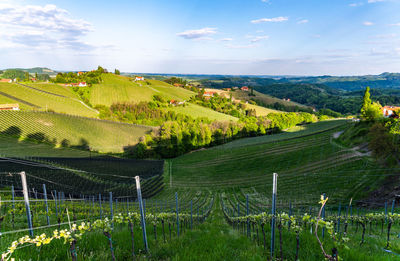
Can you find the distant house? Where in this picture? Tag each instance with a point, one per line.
(208, 95)
(139, 78)
(74, 84)
(175, 102)
(245, 88)
(79, 73)
(9, 107)
(226, 89)
(388, 111)
(33, 79)
(6, 80)
(178, 85)
(235, 88)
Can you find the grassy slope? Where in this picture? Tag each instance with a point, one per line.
(264, 98)
(12, 147)
(261, 111)
(195, 111)
(45, 100)
(100, 135)
(121, 89)
(305, 161)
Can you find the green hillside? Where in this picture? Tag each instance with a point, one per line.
(45, 97)
(121, 89)
(116, 88)
(59, 129)
(306, 160)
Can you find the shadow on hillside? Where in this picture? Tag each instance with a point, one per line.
(40, 137)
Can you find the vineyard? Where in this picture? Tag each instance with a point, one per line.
(70, 131)
(211, 204)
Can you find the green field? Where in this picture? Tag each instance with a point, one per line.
(98, 135)
(242, 95)
(196, 111)
(261, 111)
(116, 88)
(306, 160)
(47, 101)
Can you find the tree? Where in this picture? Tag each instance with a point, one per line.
(366, 102)
(26, 76)
(117, 72)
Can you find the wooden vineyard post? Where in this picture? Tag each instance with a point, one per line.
(111, 211)
(47, 206)
(290, 214)
(55, 201)
(177, 212)
(393, 202)
(338, 224)
(101, 214)
(191, 214)
(142, 215)
(13, 204)
(247, 213)
(386, 212)
(323, 216)
(26, 198)
(238, 209)
(274, 188)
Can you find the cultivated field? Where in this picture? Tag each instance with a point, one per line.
(66, 130)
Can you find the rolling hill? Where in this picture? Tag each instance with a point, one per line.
(307, 161)
(45, 96)
(71, 131)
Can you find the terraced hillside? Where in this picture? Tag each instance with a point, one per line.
(44, 97)
(307, 161)
(89, 176)
(121, 89)
(66, 130)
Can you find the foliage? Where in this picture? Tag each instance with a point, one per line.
(13, 73)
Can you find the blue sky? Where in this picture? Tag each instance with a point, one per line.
(275, 37)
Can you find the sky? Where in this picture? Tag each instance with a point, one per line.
(248, 37)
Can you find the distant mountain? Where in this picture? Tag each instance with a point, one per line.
(38, 70)
(351, 83)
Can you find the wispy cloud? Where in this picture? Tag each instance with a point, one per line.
(226, 39)
(270, 20)
(259, 38)
(356, 4)
(37, 26)
(304, 21)
(234, 46)
(198, 33)
(367, 23)
(266, 1)
(375, 1)
(397, 24)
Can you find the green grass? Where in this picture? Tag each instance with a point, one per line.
(306, 162)
(48, 101)
(196, 111)
(241, 95)
(261, 111)
(102, 136)
(120, 89)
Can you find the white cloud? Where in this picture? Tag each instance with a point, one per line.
(226, 39)
(304, 21)
(198, 33)
(234, 46)
(259, 38)
(397, 24)
(274, 20)
(266, 1)
(37, 26)
(375, 1)
(356, 4)
(367, 23)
